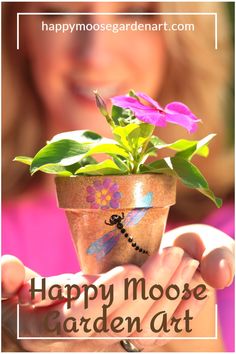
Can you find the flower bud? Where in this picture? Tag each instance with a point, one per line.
(102, 107)
(100, 103)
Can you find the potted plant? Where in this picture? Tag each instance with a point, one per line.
(117, 209)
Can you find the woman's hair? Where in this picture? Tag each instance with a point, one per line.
(196, 74)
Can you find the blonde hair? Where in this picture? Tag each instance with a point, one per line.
(201, 77)
(197, 75)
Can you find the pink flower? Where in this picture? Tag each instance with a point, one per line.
(103, 195)
(151, 112)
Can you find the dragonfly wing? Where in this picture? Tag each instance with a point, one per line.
(104, 244)
(108, 247)
(147, 200)
(135, 215)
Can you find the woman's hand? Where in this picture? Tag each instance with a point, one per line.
(169, 266)
(15, 286)
(172, 266)
(211, 247)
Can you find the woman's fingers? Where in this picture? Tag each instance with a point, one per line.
(217, 267)
(188, 310)
(192, 244)
(43, 320)
(55, 289)
(152, 322)
(13, 275)
(158, 269)
(213, 248)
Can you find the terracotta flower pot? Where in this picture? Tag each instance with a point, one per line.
(115, 219)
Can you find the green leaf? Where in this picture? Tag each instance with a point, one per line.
(187, 153)
(109, 149)
(107, 167)
(190, 175)
(139, 136)
(133, 136)
(121, 135)
(198, 148)
(186, 171)
(24, 159)
(185, 148)
(121, 164)
(202, 148)
(159, 166)
(55, 169)
(154, 145)
(89, 160)
(81, 136)
(85, 161)
(63, 153)
(48, 168)
(208, 193)
(122, 116)
(157, 142)
(116, 113)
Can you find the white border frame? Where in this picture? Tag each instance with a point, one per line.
(117, 13)
(134, 14)
(118, 338)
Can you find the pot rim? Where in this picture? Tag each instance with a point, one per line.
(133, 192)
(136, 175)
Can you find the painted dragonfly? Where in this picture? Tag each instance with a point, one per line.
(104, 244)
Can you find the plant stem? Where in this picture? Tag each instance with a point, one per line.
(140, 158)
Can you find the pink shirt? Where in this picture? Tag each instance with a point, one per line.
(36, 232)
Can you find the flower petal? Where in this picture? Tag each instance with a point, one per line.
(90, 198)
(95, 206)
(114, 188)
(183, 120)
(130, 103)
(178, 107)
(149, 100)
(145, 113)
(106, 182)
(179, 113)
(98, 185)
(156, 118)
(114, 204)
(90, 190)
(116, 195)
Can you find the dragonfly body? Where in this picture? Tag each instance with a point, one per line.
(104, 244)
(116, 219)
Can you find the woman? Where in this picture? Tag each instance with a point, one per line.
(53, 76)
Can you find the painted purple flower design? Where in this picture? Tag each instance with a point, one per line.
(151, 112)
(103, 195)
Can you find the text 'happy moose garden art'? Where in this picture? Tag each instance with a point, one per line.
(117, 209)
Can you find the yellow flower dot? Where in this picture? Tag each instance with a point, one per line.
(108, 197)
(98, 201)
(104, 191)
(98, 194)
(104, 202)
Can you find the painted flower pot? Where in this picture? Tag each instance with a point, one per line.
(115, 219)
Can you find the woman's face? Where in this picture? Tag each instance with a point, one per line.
(67, 67)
